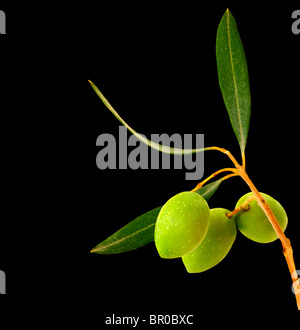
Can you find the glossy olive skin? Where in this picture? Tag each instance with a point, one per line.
(215, 246)
(181, 225)
(254, 224)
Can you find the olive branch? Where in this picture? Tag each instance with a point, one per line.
(234, 84)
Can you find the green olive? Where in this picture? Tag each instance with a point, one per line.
(253, 222)
(215, 246)
(181, 225)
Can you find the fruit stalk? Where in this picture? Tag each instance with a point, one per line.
(244, 206)
(286, 243)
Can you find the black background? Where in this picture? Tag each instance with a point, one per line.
(156, 65)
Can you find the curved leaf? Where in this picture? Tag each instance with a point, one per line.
(233, 77)
(152, 144)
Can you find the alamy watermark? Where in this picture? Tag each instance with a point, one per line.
(143, 157)
(2, 282)
(297, 291)
(296, 22)
(2, 22)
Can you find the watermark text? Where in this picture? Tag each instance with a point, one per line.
(143, 157)
(296, 22)
(2, 282)
(2, 22)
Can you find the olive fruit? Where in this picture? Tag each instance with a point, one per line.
(254, 223)
(181, 224)
(215, 246)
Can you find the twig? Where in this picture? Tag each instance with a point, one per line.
(286, 243)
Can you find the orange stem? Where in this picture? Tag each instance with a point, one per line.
(199, 185)
(286, 243)
(243, 206)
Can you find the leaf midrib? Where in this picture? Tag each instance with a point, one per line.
(234, 82)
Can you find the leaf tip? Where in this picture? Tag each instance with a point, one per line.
(228, 12)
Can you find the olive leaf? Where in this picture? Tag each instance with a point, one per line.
(140, 231)
(207, 191)
(233, 77)
(137, 233)
(152, 144)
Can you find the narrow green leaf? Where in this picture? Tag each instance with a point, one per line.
(208, 190)
(233, 77)
(140, 231)
(137, 233)
(152, 144)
